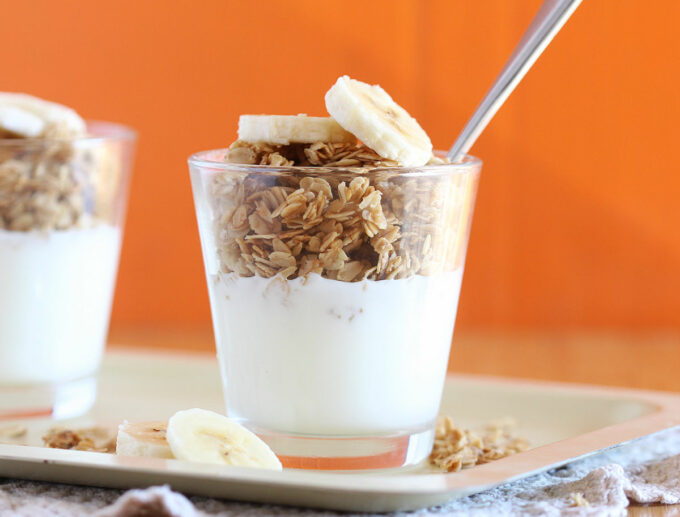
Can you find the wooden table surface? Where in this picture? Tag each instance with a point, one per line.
(642, 360)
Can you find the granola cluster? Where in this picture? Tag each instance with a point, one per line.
(305, 155)
(340, 213)
(51, 185)
(95, 439)
(456, 448)
(39, 190)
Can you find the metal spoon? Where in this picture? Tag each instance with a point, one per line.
(549, 19)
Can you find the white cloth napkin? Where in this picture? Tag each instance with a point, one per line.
(646, 471)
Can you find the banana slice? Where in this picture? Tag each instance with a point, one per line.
(143, 439)
(208, 437)
(58, 121)
(379, 122)
(291, 129)
(20, 123)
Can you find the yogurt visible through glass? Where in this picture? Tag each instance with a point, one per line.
(335, 358)
(55, 302)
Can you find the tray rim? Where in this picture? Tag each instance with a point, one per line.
(378, 491)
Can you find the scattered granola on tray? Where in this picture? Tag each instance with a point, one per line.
(456, 448)
(94, 439)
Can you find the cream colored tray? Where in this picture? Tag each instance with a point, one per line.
(562, 422)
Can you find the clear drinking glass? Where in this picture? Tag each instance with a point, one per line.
(334, 296)
(62, 204)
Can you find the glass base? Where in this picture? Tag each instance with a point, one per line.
(348, 453)
(66, 399)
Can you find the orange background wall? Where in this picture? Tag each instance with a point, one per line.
(577, 222)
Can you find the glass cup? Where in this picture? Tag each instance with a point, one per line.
(334, 297)
(62, 204)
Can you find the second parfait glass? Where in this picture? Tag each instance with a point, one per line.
(62, 205)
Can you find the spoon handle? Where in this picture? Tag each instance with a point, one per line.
(549, 19)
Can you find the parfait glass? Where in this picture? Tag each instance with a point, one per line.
(62, 205)
(334, 295)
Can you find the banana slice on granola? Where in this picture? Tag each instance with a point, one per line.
(380, 123)
(291, 129)
(30, 117)
(208, 437)
(15, 122)
(143, 439)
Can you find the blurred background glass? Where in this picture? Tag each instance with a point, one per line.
(62, 207)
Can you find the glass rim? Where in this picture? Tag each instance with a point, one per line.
(98, 131)
(468, 164)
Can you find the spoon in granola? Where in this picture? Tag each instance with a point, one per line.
(549, 19)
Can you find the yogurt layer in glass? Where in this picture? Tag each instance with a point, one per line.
(358, 358)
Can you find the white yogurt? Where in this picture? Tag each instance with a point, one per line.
(55, 299)
(334, 358)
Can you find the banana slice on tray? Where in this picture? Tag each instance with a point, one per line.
(380, 123)
(208, 437)
(143, 439)
(30, 117)
(291, 129)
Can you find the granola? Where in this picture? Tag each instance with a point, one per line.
(336, 210)
(54, 185)
(303, 155)
(456, 448)
(94, 439)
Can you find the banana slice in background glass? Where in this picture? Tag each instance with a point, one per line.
(15, 122)
(26, 116)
